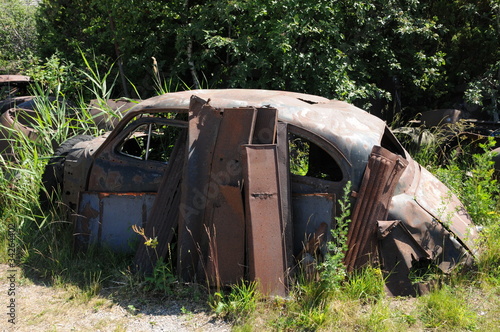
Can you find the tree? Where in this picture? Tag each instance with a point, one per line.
(17, 33)
(384, 55)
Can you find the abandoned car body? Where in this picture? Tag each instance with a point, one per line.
(247, 182)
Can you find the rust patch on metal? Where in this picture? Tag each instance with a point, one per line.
(266, 252)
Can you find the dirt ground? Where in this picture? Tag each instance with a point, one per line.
(27, 306)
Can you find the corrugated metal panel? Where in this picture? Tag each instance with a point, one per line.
(372, 204)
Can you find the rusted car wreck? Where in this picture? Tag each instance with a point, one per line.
(245, 181)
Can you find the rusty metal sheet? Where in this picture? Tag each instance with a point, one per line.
(372, 204)
(107, 218)
(224, 214)
(226, 238)
(309, 212)
(164, 213)
(266, 252)
(398, 250)
(283, 154)
(204, 122)
(265, 126)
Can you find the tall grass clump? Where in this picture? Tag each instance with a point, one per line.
(446, 310)
(43, 234)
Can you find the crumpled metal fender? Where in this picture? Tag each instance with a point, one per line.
(434, 217)
(76, 169)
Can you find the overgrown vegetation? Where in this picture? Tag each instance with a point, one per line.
(384, 55)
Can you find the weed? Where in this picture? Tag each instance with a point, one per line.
(132, 309)
(238, 304)
(475, 185)
(489, 258)
(366, 285)
(162, 278)
(333, 270)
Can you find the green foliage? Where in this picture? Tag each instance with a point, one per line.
(409, 53)
(238, 304)
(18, 33)
(485, 90)
(54, 74)
(162, 279)
(445, 310)
(366, 285)
(333, 270)
(474, 184)
(489, 257)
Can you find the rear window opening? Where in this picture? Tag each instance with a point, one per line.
(308, 159)
(391, 143)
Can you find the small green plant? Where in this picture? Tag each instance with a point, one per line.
(489, 258)
(238, 304)
(163, 276)
(132, 309)
(333, 270)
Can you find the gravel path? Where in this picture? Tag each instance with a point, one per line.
(42, 308)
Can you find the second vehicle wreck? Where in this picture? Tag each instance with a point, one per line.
(246, 183)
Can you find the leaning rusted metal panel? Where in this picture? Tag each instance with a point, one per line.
(266, 252)
(224, 214)
(204, 122)
(372, 204)
(285, 193)
(107, 219)
(164, 214)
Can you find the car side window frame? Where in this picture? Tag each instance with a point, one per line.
(132, 127)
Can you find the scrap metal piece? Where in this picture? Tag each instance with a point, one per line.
(266, 252)
(285, 193)
(204, 122)
(224, 214)
(162, 223)
(395, 249)
(107, 219)
(265, 126)
(379, 182)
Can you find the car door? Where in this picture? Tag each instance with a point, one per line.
(123, 181)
